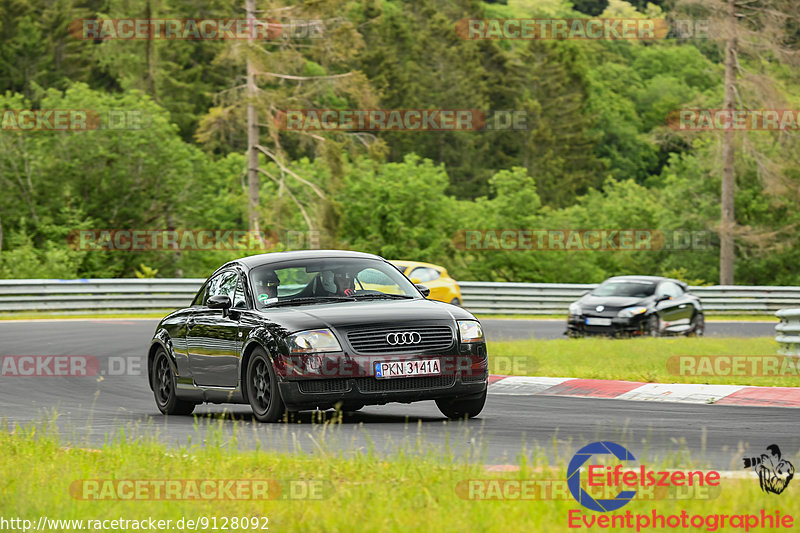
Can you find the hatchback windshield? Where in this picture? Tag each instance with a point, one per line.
(637, 289)
(328, 280)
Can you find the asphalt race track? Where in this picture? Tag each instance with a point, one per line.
(92, 408)
(516, 329)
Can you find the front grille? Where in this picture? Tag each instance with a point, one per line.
(403, 384)
(373, 340)
(608, 312)
(323, 385)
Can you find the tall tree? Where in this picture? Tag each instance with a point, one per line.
(758, 36)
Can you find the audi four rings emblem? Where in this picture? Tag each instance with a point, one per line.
(405, 337)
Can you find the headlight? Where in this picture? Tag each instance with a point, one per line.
(574, 309)
(313, 341)
(470, 331)
(632, 311)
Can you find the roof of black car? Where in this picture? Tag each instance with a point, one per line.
(654, 279)
(274, 257)
(639, 278)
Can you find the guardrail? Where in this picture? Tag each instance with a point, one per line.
(97, 295)
(788, 329)
(150, 295)
(554, 298)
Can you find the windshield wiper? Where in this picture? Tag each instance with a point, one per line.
(311, 300)
(383, 296)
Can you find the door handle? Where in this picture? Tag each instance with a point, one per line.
(190, 323)
(682, 306)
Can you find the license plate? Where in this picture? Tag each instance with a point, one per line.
(402, 369)
(594, 321)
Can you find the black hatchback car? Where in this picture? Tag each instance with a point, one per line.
(302, 330)
(637, 305)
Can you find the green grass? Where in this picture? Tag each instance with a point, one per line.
(416, 489)
(639, 359)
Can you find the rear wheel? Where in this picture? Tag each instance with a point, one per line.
(459, 409)
(262, 388)
(698, 325)
(163, 380)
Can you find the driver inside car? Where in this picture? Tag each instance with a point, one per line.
(267, 287)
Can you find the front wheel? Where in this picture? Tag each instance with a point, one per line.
(698, 325)
(652, 327)
(262, 389)
(164, 388)
(459, 409)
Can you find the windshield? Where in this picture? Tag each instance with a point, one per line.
(637, 289)
(327, 280)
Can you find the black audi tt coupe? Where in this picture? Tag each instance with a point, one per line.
(290, 331)
(637, 305)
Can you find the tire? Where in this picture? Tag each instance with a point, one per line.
(698, 325)
(461, 409)
(262, 388)
(164, 389)
(652, 327)
(455, 301)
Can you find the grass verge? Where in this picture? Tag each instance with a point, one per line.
(638, 359)
(414, 490)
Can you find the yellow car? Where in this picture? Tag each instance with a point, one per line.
(442, 286)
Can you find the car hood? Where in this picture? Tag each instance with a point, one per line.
(611, 301)
(367, 313)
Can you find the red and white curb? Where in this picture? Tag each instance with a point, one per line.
(645, 392)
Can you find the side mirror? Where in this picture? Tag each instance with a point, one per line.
(663, 297)
(423, 289)
(219, 301)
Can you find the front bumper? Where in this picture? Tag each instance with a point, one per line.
(351, 379)
(327, 392)
(576, 326)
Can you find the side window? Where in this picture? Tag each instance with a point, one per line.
(669, 289)
(424, 274)
(223, 284)
(239, 298)
(200, 298)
